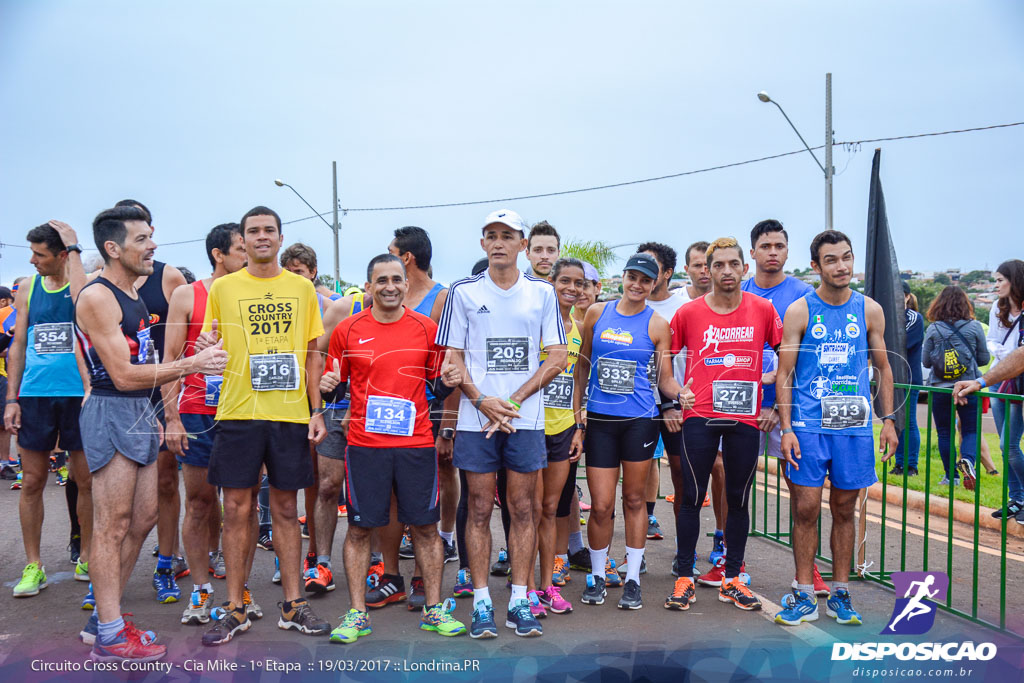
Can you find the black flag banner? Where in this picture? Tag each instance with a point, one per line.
(882, 283)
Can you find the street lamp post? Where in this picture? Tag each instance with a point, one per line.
(827, 169)
(335, 227)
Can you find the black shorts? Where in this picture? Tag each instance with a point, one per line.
(612, 440)
(371, 474)
(45, 418)
(558, 445)
(241, 447)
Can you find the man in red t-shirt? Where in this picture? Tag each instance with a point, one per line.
(386, 353)
(724, 333)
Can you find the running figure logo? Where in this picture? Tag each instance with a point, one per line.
(914, 612)
(709, 338)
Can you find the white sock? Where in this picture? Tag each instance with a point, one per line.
(597, 562)
(208, 587)
(482, 594)
(518, 593)
(196, 587)
(634, 558)
(446, 536)
(575, 541)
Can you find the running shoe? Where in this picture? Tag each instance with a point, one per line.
(180, 568)
(580, 560)
(374, 573)
(631, 597)
(353, 625)
(418, 594)
(675, 566)
(839, 608)
(717, 548)
(276, 578)
(89, 601)
(896, 471)
(131, 644)
(319, 579)
(405, 550)
(707, 500)
(611, 577)
(585, 507)
(970, 476)
(560, 574)
(309, 562)
(156, 550)
(463, 584)
(483, 625)
(167, 589)
(62, 476)
(594, 593)
(252, 610)
(33, 580)
(553, 601)
(230, 622)
(198, 609)
(797, 607)
(623, 568)
(81, 571)
(217, 568)
(303, 527)
(16, 484)
(450, 553)
(501, 567)
(91, 630)
(820, 587)
(440, 620)
(654, 529)
(536, 606)
(389, 588)
(683, 594)
(716, 574)
(1011, 509)
(738, 594)
(266, 541)
(944, 482)
(343, 511)
(75, 548)
(300, 617)
(520, 617)
(8, 473)
(670, 498)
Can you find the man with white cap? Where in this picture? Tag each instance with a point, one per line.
(494, 323)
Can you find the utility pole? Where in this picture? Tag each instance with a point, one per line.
(829, 170)
(336, 227)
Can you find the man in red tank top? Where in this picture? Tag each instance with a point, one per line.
(190, 421)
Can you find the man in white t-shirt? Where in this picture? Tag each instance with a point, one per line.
(494, 323)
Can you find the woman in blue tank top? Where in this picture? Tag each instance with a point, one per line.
(625, 349)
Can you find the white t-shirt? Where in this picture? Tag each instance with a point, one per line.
(667, 308)
(500, 331)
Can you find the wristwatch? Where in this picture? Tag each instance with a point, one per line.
(669, 405)
(787, 430)
(580, 426)
(890, 416)
(74, 247)
(448, 433)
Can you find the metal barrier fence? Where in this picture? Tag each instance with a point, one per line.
(763, 498)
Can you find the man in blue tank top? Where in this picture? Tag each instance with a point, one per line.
(824, 399)
(45, 390)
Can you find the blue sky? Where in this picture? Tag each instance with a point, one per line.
(195, 107)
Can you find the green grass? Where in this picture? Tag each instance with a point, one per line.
(991, 487)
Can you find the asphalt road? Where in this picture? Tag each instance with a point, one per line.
(712, 641)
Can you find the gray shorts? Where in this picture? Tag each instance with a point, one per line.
(333, 446)
(773, 440)
(118, 424)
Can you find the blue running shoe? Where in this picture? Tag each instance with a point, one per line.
(89, 601)
(695, 572)
(717, 549)
(463, 584)
(167, 590)
(483, 625)
(521, 618)
(91, 631)
(797, 607)
(839, 608)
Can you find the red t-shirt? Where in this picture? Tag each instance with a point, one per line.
(196, 397)
(724, 355)
(386, 365)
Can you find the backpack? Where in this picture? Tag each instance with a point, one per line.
(951, 355)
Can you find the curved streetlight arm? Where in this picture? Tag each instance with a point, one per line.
(280, 183)
(799, 136)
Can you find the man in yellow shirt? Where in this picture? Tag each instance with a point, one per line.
(270, 321)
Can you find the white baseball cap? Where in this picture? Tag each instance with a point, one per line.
(506, 217)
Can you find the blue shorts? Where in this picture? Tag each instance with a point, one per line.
(521, 451)
(849, 461)
(200, 439)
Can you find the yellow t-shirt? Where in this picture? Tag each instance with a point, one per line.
(266, 324)
(559, 391)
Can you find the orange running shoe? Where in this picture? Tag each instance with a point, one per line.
(738, 594)
(707, 500)
(670, 498)
(683, 595)
(343, 511)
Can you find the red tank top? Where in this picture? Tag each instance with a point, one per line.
(194, 399)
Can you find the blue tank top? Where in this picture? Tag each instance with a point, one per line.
(425, 307)
(136, 330)
(343, 403)
(620, 354)
(832, 390)
(50, 367)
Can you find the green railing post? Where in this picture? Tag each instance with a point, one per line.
(951, 476)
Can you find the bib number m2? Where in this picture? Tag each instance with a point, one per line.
(274, 372)
(53, 338)
(734, 397)
(508, 354)
(844, 412)
(389, 415)
(615, 375)
(558, 394)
